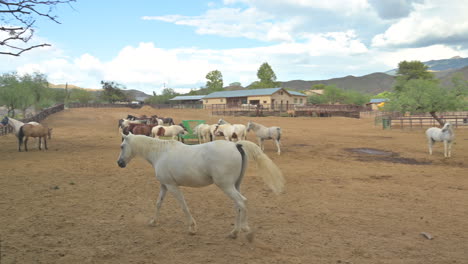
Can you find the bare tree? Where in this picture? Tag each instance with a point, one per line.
(17, 19)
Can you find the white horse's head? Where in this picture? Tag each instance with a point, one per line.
(126, 153)
(249, 126)
(447, 126)
(220, 121)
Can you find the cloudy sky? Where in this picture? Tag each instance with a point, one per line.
(149, 44)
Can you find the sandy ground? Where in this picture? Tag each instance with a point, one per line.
(73, 204)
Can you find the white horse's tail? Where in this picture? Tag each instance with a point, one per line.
(271, 174)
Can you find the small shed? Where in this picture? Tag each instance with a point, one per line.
(188, 99)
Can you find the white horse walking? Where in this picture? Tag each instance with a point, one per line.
(219, 162)
(239, 129)
(263, 132)
(16, 124)
(445, 135)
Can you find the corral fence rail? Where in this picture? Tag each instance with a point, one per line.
(137, 106)
(418, 121)
(317, 110)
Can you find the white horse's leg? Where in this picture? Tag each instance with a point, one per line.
(430, 143)
(450, 149)
(445, 148)
(162, 194)
(241, 213)
(180, 197)
(278, 146)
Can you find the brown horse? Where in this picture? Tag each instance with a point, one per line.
(143, 130)
(29, 130)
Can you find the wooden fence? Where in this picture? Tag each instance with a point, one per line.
(402, 121)
(288, 109)
(37, 118)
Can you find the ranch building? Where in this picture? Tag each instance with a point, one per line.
(267, 96)
(188, 99)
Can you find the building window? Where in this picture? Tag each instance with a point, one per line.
(295, 100)
(300, 100)
(222, 100)
(264, 102)
(206, 101)
(281, 93)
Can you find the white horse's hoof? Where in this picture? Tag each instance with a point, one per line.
(250, 236)
(152, 222)
(233, 235)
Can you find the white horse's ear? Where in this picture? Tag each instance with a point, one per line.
(130, 133)
(123, 135)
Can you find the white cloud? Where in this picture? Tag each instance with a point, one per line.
(433, 22)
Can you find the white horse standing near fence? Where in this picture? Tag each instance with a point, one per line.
(263, 132)
(239, 129)
(219, 162)
(445, 135)
(16, 124)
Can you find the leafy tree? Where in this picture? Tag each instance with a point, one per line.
(215, 81)
(17, 20)
(316, 99)
(411, 70)
(417, 90)
(81, 95)
(383, 95)
(420, 95)
(37, 85)
(354, 97)
(267, 78)
(164, 98)
(319, 86)
(13, 94)
(112, 92)
(333, 95)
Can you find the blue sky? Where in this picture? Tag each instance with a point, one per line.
(149, 44)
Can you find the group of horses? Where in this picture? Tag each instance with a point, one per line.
(235, 132)
(153, 126)
(24, 131)
(156, 127)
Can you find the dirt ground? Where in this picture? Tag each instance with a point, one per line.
(73, 204)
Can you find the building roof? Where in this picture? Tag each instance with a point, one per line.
(246, 93)
(377, 101)
(187, 98)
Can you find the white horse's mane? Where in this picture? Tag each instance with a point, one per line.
(145, 145)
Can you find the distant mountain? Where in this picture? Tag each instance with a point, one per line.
(445, 77)
(453, 63)
(373, 83)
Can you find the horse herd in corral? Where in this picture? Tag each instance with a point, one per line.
(219, 162)
(154, 126)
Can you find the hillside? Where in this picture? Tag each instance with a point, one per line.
(373, 83)
(442, 65)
